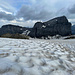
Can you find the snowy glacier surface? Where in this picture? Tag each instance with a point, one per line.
(37, 57)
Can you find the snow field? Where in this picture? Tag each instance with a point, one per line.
(36, 57)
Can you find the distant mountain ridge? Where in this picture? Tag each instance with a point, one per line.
(73, 29)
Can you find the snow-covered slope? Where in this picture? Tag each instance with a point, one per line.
(37, 57)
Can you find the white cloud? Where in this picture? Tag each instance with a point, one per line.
(2, 10)
(28, 23)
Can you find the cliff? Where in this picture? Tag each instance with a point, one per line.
(59, 25)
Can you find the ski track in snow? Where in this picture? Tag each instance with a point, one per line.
(36, 57)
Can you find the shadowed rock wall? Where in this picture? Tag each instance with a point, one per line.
(59, 25)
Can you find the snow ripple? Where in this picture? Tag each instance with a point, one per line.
(36, 57)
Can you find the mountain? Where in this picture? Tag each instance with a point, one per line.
(56, 26)
(73, 29)
(12, 29)
(59, 25)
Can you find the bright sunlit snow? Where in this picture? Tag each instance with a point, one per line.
(37, 57)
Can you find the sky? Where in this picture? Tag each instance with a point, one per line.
(27, 12)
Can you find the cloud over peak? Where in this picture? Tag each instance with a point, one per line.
(33, 13)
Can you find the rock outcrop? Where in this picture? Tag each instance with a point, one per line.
(12, 29)
(56, 26)
(59, 25)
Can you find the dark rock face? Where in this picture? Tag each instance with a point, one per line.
(56, 26)
(12, 29)
(73, 29)
(59, 25)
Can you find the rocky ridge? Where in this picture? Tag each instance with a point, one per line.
(59, 25)
(12, 29)
(56, 26)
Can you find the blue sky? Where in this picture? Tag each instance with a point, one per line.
(26, 12)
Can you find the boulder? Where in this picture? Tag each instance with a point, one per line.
(56, 26)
